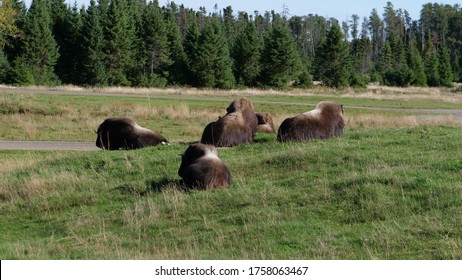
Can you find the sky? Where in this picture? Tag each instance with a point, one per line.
(339, 9)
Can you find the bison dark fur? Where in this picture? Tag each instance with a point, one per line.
(202, 169)
(325, 121)
(125, 133)
(237, 127)
(265, 123)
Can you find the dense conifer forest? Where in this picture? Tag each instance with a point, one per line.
(141, 44)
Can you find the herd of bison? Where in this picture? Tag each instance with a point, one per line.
(201, 168)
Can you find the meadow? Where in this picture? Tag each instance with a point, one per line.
(389, 188)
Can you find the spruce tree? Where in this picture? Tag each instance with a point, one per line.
(66, 31)
(94, 70)
(397, 73)
(191, 47)
(416, 66)
(155, 54)
(246, 54)
(333, 62)
(213, 67)
(445, 69)
(40, 54)
(177, 70)
(281, 62)
(431, 63)
(119, 43)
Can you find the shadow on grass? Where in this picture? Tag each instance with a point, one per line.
(150, 186)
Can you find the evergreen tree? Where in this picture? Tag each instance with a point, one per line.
(213, 67)
(354, 26)
(177, 70)
(246, 54)
(13, 43)
(431, 63)
(8, 15)
(5, 68)
(119, 43)
(396, 72)
(457, 69)
(94, 70)
(445, 70)
(416, 66)
(155, 55)
(191, 47)
(281, 61)
(376, 31)
(40, 54)
(66, 31)
(334, 59)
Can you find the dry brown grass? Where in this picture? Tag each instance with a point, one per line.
(385, 121)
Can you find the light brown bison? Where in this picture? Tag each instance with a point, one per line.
(125, 134)
(325, 121)
(265, 123)
(237, 127)
(201, 168)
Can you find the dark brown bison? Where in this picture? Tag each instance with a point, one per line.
(237, 127)
(265, 123)
(202, 169)
(325, 121)
(125, 134)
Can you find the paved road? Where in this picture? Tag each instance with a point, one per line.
(90, 146)
(47, 146)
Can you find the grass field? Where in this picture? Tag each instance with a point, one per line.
(389, 188)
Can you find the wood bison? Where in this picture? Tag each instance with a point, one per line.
(125, 134)
(325, 121)
(237, 127)
(202, 169)
(265, 123)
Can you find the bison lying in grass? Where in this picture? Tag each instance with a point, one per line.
(125, 134)
(201, 168)
(325, 121)
(237, 127)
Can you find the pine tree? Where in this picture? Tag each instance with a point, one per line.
(397, 72)
(40, 52)
(191, 47)
(376, 31)
(246, 54)
(281, 61)
(416, 66)
(177, 70)
(214, 66)
(445, 70)
(94, 70)
(334, 59)
(431, 63)
(155, 54)
(66, 31)
(119, 43)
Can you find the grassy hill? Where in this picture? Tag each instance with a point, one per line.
(375, 193)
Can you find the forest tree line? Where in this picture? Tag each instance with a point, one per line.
(139, 43)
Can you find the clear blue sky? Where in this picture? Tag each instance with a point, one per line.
(339, 9)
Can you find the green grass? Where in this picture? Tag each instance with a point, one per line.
(371, 194)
